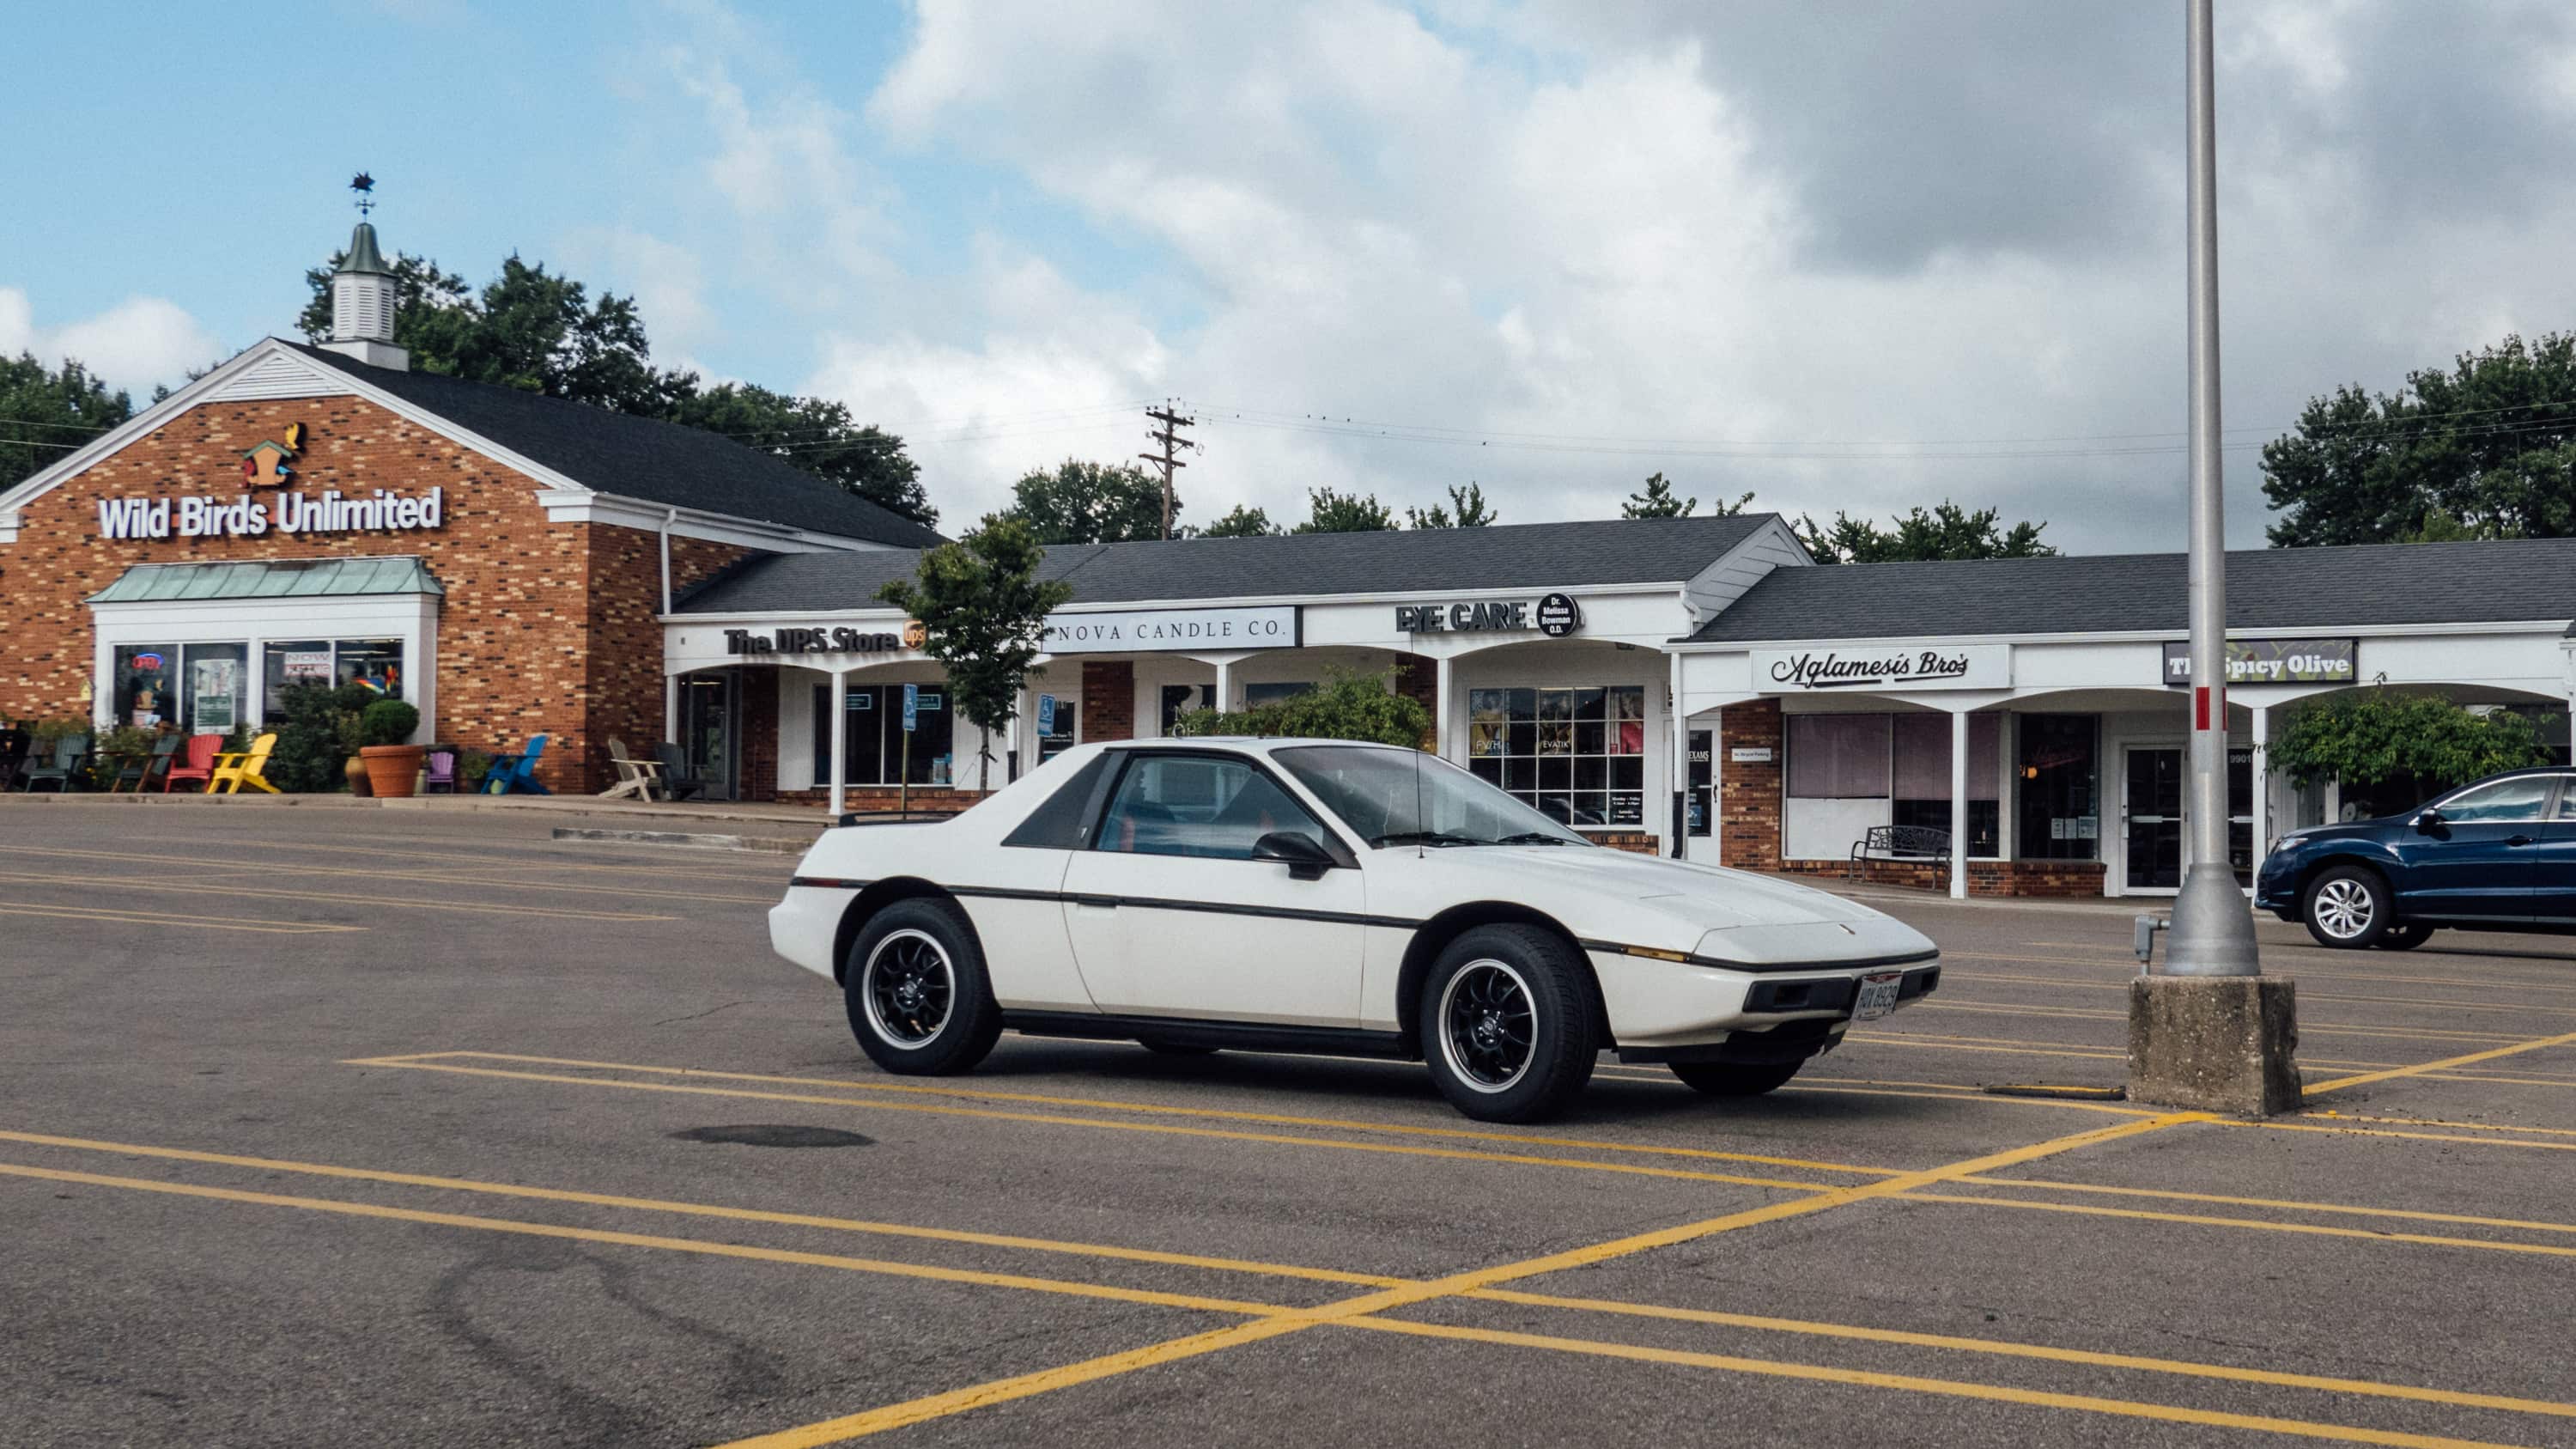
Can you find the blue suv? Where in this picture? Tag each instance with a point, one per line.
(2499, 855)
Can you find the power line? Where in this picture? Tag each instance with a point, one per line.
(1169, 415)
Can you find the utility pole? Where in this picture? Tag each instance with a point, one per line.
(1169, 435)
(2207, 1029)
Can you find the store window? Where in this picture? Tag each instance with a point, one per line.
(1067, 731)
(297, 661)
(1838, 756)
(873, 747)
(1181, 699)
(1923, 744)
(2057, 772)
(1579, 754)
(375, 663)
(214, 699)
(147, 679)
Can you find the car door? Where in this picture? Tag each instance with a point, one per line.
(1171, 916)
(2553, 868)
(2473, 855)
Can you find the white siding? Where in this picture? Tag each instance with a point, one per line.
(281, 375)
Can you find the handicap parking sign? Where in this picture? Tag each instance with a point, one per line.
(911, 706)
(1046, 714)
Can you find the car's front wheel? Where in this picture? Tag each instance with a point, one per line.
(1507, 1023)
(2347, 906)
(919, 1001)
(2406, 937)
(1736, 1079)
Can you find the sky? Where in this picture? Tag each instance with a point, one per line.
(1853, 257)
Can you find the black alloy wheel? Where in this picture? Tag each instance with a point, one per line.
(916, 991)
(1507, 1023)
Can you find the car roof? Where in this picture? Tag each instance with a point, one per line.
(1256, 743)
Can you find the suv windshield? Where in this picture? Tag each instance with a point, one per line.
(1396, 797)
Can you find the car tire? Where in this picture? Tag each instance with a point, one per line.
(2347, 907)
(919, 1000)
(1736, 1079)
(2406, 937)
(1507, 1023)
(1176, 1049)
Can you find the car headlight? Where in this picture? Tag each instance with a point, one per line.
(2273, 846)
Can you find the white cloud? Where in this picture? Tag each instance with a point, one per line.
(139, 342)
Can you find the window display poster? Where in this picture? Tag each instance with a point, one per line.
(307, 666)
(215, 694)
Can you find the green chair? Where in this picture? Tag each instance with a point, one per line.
(69, 752)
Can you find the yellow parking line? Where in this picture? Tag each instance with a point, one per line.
(1216, 1114)
(2321, 971)
(164, 920)
(2407, 1136)
(2472, 1059)
(877, 1266)
(2284, 1204)
(2330, 1115)
(706, 1210)
(163, 886)
(2519, 1008)
(1910, 1383)
(2319, 1230)
(1160, 1128)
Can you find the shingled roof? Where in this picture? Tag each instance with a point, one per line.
(2276, 588)
(643, 458)
(1596, 554)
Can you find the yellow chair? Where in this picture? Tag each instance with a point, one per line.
(234, 771)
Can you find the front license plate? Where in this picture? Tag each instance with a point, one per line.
(1877, 995)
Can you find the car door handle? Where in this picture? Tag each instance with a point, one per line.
(1095, 903)
(2517, 840)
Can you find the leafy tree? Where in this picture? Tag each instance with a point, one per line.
(1243, 522)
(2376, 735)
(1947, 531)
(1465, 509)
(1345, 513)
(2490, 443)
(1657, 500)
(1345, 707)
(983, 609)
(47, 412)
(532, 329)
(1078, 502)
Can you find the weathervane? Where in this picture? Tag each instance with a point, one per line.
(365, 186)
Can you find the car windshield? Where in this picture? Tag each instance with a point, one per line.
(1402, 797)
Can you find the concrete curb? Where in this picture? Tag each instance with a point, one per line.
(684, 840)
(520, 804)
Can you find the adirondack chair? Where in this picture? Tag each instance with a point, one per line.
(634, 777)
(441, 773)
(69, 751)
(144, 767)
(517, 774)
(13, 753)
(679, 782)
(200, 762)
(232, 771)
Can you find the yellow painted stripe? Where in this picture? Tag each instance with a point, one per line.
(1168, 1129)
(2331, 1115)
(2408, 1136)
(1272, 1119)
(2284, 1204)
(2314, 1230)
(1946, 1388)
(2007, 1349)
(2444, 1064)
(706, 1210)
(166, 886)
(877, 1266)
(163, 920)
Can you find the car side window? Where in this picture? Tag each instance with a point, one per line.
(1198, 805)
(2566, 798)
(2503, 802)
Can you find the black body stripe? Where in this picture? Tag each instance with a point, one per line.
(826, 882)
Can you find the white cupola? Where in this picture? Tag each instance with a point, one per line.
(362, 303)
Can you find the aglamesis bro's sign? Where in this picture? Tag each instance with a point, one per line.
(1892, 667)
(2274, 661)
(1132, 631)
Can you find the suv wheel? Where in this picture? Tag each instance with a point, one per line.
(1507, 1024)
(2347, 907)
(918, 999)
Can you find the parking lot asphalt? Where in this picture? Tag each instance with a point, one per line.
(366, 1126)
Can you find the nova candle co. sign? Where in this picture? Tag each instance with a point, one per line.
(1897, 668)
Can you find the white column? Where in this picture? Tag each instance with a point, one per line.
(1444, 710)
(1677, 768)
(1224, 686)
(1959, 805)
(840, 739)
(670, 709)
(2005, 728)
(2261, 807)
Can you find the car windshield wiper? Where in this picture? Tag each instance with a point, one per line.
(1536, 837)
(1425, 837)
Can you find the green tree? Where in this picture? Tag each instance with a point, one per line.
(1345, 707)
(1947, 531)
(2489, 442)
(1243, 522)
(983, 608)
(1078, 502)
(47, 412)
(2374, 735)
(1345, 513)
(817, 435)
(1657, 500)
(1465, 509)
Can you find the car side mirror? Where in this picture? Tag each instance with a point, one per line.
(2428, 822)
(1305, 859)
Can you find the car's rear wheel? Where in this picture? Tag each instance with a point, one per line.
(1507, 1024)
(2347, 906)
(918, 998)
(1736, 1079)
(2406, 937)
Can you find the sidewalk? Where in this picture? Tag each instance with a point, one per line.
(720, 810)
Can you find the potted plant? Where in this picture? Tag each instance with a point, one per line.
(393, 766)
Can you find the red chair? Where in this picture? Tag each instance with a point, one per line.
(202, 750)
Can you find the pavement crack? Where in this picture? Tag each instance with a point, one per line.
(695, 1015)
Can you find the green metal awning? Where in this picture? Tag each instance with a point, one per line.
(298, 578)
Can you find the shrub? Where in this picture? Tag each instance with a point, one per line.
(105, 750)
(387, 722)
(2380, 734)
(471, 767)
(1344, 707)
(317, 732)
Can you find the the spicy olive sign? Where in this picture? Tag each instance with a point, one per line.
(2274, 661)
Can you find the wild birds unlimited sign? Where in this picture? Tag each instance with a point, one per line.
(269, 467)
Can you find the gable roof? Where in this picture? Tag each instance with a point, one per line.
(1499, 557)
(2275, 588)
(642, 458)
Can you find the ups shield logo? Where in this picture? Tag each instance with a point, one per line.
(915, 634)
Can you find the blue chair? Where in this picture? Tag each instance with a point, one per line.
(517, 774)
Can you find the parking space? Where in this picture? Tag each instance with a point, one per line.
(339, 1126)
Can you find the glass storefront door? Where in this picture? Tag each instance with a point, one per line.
(2151, 816)
(708, 712)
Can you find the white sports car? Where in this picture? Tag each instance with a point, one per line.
(1324, 896)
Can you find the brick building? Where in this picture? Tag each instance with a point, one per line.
(499, 558)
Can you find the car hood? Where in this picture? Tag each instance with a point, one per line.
(2349, 830)
(1705, 896)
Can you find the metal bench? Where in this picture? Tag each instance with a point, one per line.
(1898, 842)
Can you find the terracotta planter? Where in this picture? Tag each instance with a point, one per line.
(355, 772)
(392, 770)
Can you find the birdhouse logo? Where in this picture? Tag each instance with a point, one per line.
(271, 463)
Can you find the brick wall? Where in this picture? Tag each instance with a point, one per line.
(757, 766)
(1108, 700)
(1748, 795)
(2064, 879)
(621, 690)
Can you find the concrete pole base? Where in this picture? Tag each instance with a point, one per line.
(2215, 1043)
